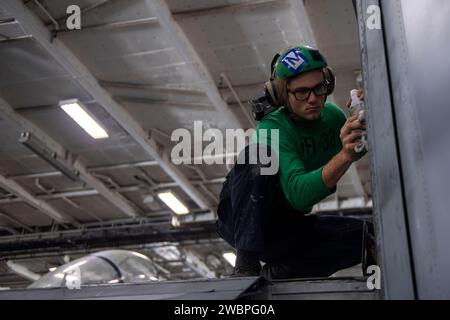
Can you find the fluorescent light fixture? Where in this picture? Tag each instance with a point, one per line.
(230, 257)
(79, 113)
(173, 203)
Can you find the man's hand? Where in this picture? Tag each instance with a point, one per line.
(351, 132)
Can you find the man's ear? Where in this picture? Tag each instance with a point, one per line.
(276, 90)
(330, 77)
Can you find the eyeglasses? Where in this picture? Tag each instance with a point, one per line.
(303, 94)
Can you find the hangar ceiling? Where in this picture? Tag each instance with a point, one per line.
(143, 69)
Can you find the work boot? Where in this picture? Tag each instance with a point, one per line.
(369, 252)
(247, 264)
(278, 271)
(291, 270)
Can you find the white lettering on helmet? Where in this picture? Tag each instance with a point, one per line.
(294, 60)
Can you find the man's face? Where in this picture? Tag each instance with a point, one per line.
(310, 108)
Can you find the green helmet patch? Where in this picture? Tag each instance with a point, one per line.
(297, 60)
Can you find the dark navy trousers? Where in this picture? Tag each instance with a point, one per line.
(250, 219)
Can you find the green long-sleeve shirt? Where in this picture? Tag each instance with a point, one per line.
(304, 148)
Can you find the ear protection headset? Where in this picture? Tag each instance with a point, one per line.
(291, 62)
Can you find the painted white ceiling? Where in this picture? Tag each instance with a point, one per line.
(140, 67)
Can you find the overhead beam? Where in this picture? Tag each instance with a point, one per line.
(88, 82)
(93, 192)
(90, 169)
(8, 39)
(164, 104)
(247, 5)
(114, 25)
(304, 25)
(113, 197)
(83, 11)
(10, 230)
(101, 238)
(16, 222)
(148, 87)
(178, 15)
(16, 189)
(153, 219)
(189, 54)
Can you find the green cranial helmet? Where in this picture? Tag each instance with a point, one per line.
(297, 60)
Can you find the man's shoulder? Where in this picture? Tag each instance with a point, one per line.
(274, 120)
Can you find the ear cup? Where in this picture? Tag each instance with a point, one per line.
(271, 94)
(331, 78)
(272, 66)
